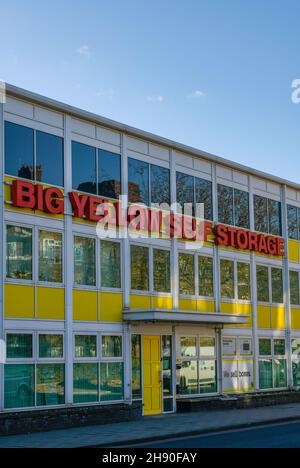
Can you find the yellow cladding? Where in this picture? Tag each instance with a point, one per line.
(238, 309)
(188, 304)
(295, 318)
(140, 302)
(50, 303)
(278, 318)
(85, 306)
(294, 251)
(18, 301)
(228, 308)
(111, 307)
(263, 316)
(206, 306)
(160, 302)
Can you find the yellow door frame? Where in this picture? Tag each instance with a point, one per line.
(152, 375)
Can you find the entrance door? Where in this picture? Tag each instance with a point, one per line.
(152, 385)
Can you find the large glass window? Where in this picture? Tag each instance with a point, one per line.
(49, 159)
(189, 378)
(51, 346)
(109, 178)
(185, 189)
(293, 218)
(160, 185)
(188, 346)
(136, 367)
(191, 190)
(84, 261)
(18, 253)
(19, 151)
(167, 373)
(112, 381)
(84, 168)
(203, 194)
(50, 384)
(294, 288)
(265, 374)
(244, 282)
(85, 382)
(272, 363)
(50, 257)
(227, 279)
(262, 274)
(206, 276)
(267, 215)
(19, 386)
(85, 346)
(110, 264)
(186, 274)
(161, 271)
(19, 346)
(139, 268)
(138, 181)
(233, 206)
(277, 286)
(225, 205)
(111, 346)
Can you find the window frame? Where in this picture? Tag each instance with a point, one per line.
(98, 266)
(195, 176)
(85, 359)
(270, 267)
(293, 270)
(18, 281)
(83, 287)
(234, 190)
(268, 200)
(235, 262)
(54, 230)
(50, 360)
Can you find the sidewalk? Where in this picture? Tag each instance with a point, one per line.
(154, 428)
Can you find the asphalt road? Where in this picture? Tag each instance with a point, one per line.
(275, 436)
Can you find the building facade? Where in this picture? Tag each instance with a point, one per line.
(90, 321)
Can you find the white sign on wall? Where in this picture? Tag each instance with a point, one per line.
(238, 376)
(229, 346)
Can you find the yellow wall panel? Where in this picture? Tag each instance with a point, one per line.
(111, 307)
(295, 319)
(18, 301)
(206, 306)
(263, 316)
(188, 304)
(140, 302)
(293, 251)
(50, 303)
(228, 308)
(85, 306)
(159, 302)
(278, 318)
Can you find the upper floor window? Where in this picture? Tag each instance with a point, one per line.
(233, 207)
(235, 280)
(267, 215)
(192, 190)
(159, 269)
(294, 288)
(84, 261)
(269, 284)
(50, 257)
(148, 183)
(96, 171)
(18, 253)
(33, 155)
(293, 219)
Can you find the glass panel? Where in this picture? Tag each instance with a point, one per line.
(111, 381)
(227, 279)
(51, 346)
(185, 189)
(19, 151)
(265, 374)
(50, 384)
(244, 282)
(277, 286)
(186, 275)
(84, 261)
(110, 265)
(262, 276)
(84, 168)
(139, 268)
(167, 366)
(18, 386)
(292, 222)
(296, 347)
(188, 346)
(225, 204)
(168, 405)
(206, 276)
(109, 174)
(161, 271)
(204, 195)
(188, 373)
(207, 347)
(85, 346)
(136, 367)
(160, 185)
(208, 376)
(265, 347)
(280, 374)
(274, 217)
(111, 346)
(18, 253)
(49, 159)
(279, 347)
(294, 288)
(167, 346)
(261, 214)
(138, 182)
(50, 257)
(85, 383)
(19, 346)
(241, 209)
(296, 373)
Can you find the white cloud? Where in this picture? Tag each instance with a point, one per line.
(155, 99)
(84, 51)
(197, 94)
(106, 93)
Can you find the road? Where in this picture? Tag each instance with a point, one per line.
(270, 436)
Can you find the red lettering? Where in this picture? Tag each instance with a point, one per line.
(272, 245)
(92, 208)
(23, 194)
(242, 239)
(78, 204)
(280, 247)
(262, 246)
(54, 203)
(221, 235)
(253, 241)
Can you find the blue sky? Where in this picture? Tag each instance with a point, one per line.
(214, 74)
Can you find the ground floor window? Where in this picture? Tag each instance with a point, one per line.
(167, 356)
(136, 377)
(272, 364)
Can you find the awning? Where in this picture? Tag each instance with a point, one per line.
(175, 316)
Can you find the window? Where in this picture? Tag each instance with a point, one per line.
(49, 159)
(85, 346)
(167, 352)
(293, 219)
(96, 171)
(85, 382)
(110, 265)
(235, 280)
(233, 207)
(244, 282)
(161, 271)
(277, 286)
(18, 253)
(272, 363)
(206, 276)
(148, 183)
(50, 384)
(294, 288)
(139, 268)
(262, 274)
(136, 367)
(50, 257)
(19, 346)
(112, 381)
(191, 190)
(227, 279)
(188, 346)
(19, 386)
(84, 261)
(267, 215)
(112, 346)
(51, 347)
(186, 274)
